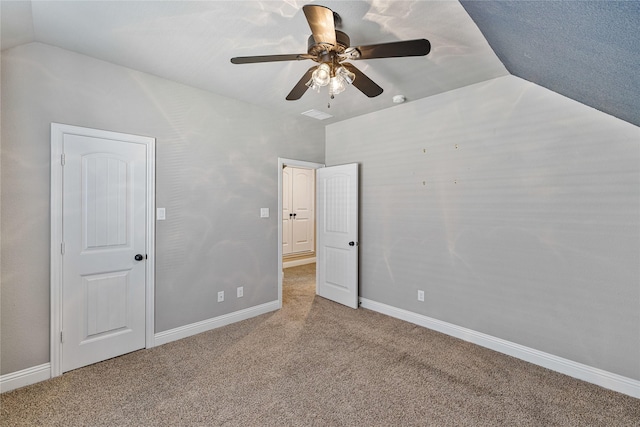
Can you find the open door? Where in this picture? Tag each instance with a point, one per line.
(337, 234)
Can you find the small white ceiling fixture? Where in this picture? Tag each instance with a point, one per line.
(317, 114)
(399, 99)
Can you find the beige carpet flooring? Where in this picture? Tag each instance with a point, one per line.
(316, 363)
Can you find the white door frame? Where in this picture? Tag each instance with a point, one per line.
(57, 136)
(281, 163)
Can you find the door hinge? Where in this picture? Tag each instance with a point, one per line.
(61, 337)
(62, 158)
(62, 248)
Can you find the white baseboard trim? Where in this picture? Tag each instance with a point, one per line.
(583, 372)
(25, 377)
(297, 262)
(216, 322)
(577, 370)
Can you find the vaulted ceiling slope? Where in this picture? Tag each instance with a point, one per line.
(192, 42)
(585, 50)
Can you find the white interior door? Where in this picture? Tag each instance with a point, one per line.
(103, 228)
(337, 229)
(302, 226)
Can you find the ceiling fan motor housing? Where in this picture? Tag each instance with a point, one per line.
(320, 49)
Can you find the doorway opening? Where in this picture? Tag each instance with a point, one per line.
(298, 251)
(298, 216)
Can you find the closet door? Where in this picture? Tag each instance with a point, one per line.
(287, 212)
(302, 201)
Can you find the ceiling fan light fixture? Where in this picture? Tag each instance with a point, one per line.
(311, 84)
(322, 75)
(347, 75)
(337, 85)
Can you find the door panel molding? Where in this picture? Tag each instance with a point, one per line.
(58, 132)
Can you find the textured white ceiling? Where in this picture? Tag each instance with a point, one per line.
(192, 43)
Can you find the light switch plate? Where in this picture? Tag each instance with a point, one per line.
(264, 212)
(160, 214)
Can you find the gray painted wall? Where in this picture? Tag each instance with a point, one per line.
(216, 167)
(515, 209)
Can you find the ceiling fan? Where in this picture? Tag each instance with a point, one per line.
(331, 49)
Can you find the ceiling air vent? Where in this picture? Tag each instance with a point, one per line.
(317, 114)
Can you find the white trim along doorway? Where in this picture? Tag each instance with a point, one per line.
(281, 163)
(113, 291)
